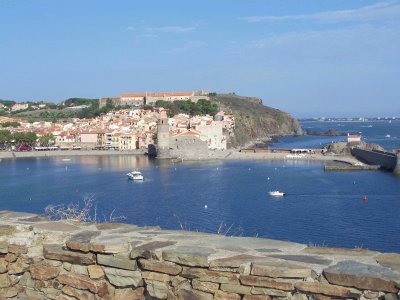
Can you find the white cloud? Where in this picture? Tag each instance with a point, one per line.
(171, 29)
(379, 11)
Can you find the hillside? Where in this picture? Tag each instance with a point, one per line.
(254, 120)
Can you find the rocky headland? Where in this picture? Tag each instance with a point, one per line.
(329, 132)
(255, 122)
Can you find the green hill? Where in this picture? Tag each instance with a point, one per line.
(253, 120)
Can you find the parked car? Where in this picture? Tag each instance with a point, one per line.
(23, 148)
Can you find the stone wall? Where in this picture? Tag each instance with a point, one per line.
(43, 259)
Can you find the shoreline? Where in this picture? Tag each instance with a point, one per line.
(232, 154)
(66, 153)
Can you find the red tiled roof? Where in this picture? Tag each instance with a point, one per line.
(160, 94)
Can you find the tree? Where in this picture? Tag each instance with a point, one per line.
(5, 138)
(10, 124)
(46, 139)
(25, 138)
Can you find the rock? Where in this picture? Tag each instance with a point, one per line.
(131, 294)
(157, 289)
(265, 282)
(184, 294)
(81, 240)
(83, 283)
(156, 276)
(26, 280)
(326, 289)
(189, 256)
(43, 271)
(95, 272)
(220, 295)
(20, 266)
(67, 266)
(148, 250)
(3, 265)
(123, 278)
(258, 297)
(298, 296)
(269, 292)
(10, 292)
(160, 266)
(362, 276)
(78, 294)
(211, 276)
(209, 287)
(58, 253)
(3, 247)
(178, 281)
(64, 297)
(5, 281)
(10, 257)
(17, 249)
(371, 294)
(282, 270)
(8, 230)
(110, 244)
(389, 260)
(119, 262)
(234, 261)
(79, 269)
(236, 288)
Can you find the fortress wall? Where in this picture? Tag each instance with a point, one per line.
(42, 259)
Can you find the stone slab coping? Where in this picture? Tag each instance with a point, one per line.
(184, 247)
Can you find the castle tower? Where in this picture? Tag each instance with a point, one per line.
(163, 136)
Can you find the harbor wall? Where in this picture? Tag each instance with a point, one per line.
(397, 168)
(386, 160)
(44, 259)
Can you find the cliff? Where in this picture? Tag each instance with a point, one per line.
(253, 120)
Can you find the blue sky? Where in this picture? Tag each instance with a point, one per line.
(309, 58)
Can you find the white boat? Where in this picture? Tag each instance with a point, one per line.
(276, 193)
(135, 175)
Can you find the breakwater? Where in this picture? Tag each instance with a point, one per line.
(386, 160)
(43, 259)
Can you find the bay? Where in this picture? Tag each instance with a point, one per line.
(229, 197)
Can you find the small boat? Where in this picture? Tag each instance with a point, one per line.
(135, 175)
(276, 193)
(388, 135)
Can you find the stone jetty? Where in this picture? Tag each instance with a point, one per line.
(65, 260)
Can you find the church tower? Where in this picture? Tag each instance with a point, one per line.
(163, 136)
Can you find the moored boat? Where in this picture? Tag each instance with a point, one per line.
(135, 175)
(276, 193)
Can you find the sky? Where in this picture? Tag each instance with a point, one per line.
(310, 58)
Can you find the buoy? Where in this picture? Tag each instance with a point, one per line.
(205, 206)
(268, 178)
(365, 198)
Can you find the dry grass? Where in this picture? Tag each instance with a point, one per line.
(87, 212)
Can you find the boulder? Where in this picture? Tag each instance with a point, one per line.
(363, 276)
(43, 271)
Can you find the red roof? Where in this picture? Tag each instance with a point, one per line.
(161, 94)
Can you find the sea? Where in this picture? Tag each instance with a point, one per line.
(355, 209)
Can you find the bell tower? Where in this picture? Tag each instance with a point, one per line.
(163, 136)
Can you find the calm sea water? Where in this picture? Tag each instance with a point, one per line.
(382, 133)
(321, 208)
